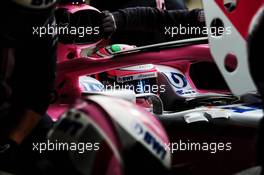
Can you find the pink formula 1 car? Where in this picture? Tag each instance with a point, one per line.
(148, 105)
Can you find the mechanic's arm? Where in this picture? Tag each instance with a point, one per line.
(150, 19)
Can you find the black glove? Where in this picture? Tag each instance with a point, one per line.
(109, 25)
(8, 155)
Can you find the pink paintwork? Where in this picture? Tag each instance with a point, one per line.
(69, 51)
(107, 159)
(134, 120)
(72, 8)
(70, 68)
(66, 52)
(68, 71)
(245, 10)
(121, 72)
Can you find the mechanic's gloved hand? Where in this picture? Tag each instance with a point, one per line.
(109, 25)
(8, 155)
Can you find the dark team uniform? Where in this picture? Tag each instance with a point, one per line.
(153, 21)
(121, 4)
(144, 37)
(27, 68)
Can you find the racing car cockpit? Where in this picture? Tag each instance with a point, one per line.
(199, 89)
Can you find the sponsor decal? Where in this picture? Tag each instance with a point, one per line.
(179, 80)
(143, 67)
(182, 92)
(150, 141)
(132, 120)
(180, 83)
(122, 79)
(92, 87)
(89, 84)
(242, 109)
